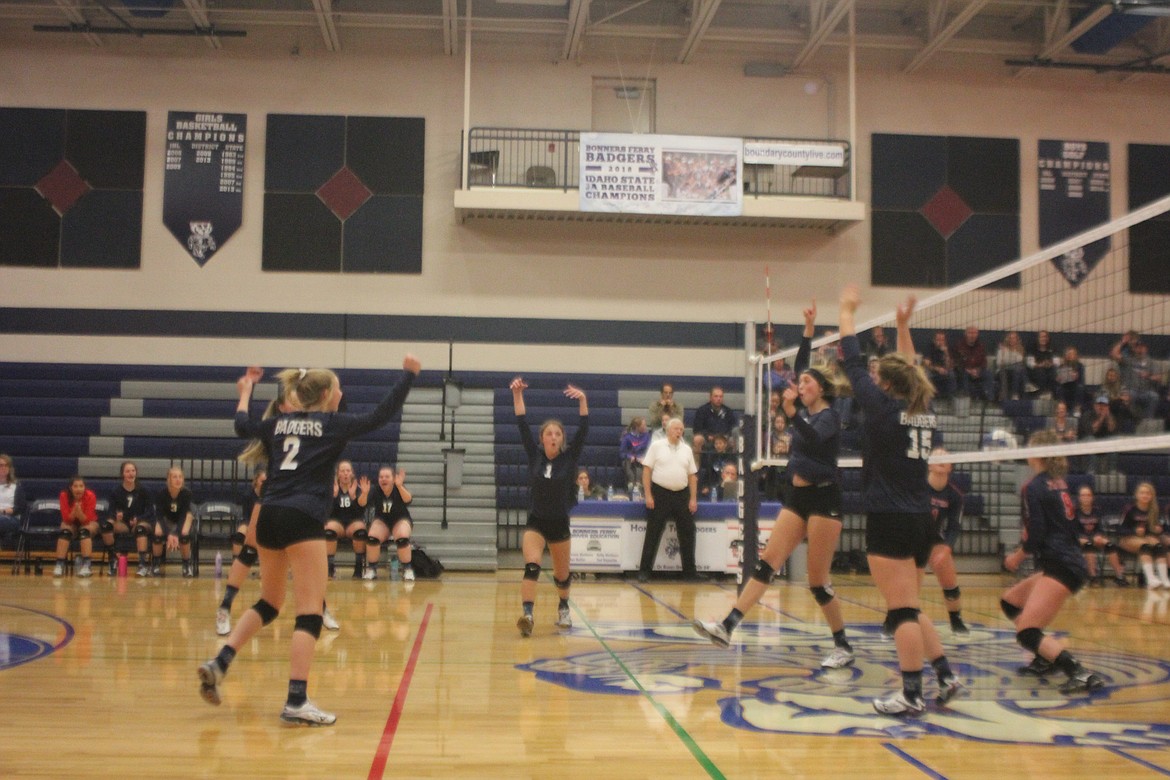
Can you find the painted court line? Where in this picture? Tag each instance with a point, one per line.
(687, 740)
(1152, 767)
(902, 754)
(383, 752)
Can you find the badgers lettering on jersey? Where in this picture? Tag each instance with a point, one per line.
(919, 420)
(297, 427)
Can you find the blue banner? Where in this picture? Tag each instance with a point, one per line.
(1074, 196)
(203, 189)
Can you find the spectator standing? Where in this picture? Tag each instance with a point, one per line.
(664, 406)
(1138, 373)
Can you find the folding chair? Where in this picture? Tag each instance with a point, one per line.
(42, 523)
(215, 521)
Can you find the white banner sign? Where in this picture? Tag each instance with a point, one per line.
(661, 174)
(796, 154)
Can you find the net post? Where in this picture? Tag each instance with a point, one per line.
(749, 496)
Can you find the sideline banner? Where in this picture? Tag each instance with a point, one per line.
(1074, 196)
(203, 189)
(661, 174)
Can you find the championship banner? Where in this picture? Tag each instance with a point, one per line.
(1074, 196)
(203, 190)
(661, 174)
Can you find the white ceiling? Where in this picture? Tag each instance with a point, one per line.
(912, 35)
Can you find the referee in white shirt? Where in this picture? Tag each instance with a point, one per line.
(671, 485)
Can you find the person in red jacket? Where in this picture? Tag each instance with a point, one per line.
(79, 520)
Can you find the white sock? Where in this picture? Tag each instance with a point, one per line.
(1152, 581)
(1163, 574)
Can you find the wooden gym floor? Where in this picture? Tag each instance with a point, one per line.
(97, 679)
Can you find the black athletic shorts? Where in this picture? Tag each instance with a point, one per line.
(551, 530)
(1068, 577)
(279, 527)
(819, 500)
(900, 535)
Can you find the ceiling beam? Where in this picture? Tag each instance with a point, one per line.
(198, 11)
(700, 20)
(324, 9)
(575, 33)
(1091, 20)
(819, 33)
(944, 35)
(450, 27)
(73, 13)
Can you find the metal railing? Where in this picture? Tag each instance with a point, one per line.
(550, 159)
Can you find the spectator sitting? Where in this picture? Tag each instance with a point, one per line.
(660, 431)
(712, 463)
(1070, 380)
(782, 375)
(1099, 424)
(712, 418)
(876, 345)
(774, 405)
(1111, 385)
(1011, 367)
(1138, 373)
(728, 487)
(12, 501)
(586, 490)
(1042, 363)
(635, 441)
(665, 405)
(1124, 412)
(939, 365)
(1064, 426)
(972, 374)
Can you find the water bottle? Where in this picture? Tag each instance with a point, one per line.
(123, 565)
(218, 565)
(609, 493)
(580, 493)
(394, 567)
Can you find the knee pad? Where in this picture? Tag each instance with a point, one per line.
(952, 594)
(1111, 547)
(1087, 545)
(1009, 609)
(310, 624)
(248, 555)
(764, 572)
(823, 594)
(141, 531)
(159, 539)
(238, 538)
(185, 539)
(896, 617)
(266, 611)
(330, 535)
(565, 583)
(1158, 549)
(84, 534)
(107, 526)
(373, 541)
(66, 534)
(402, 542)
(1030, 639)
(532, 571)
(361, 535)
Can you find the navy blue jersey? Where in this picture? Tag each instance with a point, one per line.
(304, 447)
(133, 504)
(389, 508)
(173, 509)
(896, 444)
(816, 438)
(946, 512)
(346, 508)
(1051, 531)
(1090, 521)
(1139, 522)
(552, 484)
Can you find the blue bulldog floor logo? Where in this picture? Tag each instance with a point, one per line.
(774, 683)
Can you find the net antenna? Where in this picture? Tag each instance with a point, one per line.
(1080, 290)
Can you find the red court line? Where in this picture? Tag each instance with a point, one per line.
(383, 753)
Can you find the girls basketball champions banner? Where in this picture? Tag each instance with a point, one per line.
(1074, 196)
(661, 174)
(203, 189)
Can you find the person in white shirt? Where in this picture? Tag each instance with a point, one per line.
(671, 485)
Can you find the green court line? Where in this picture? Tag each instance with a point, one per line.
(687, 740)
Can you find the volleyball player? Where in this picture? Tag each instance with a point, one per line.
(1050, 536)
(899, 434)
(1141, 535)
(79, 521)
(1094, 539)
(552, 491)
(347, 517)
(812, 506)
(946, 514)
(303, 448)
(130, 507)
(391, 521)
(172, 523)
